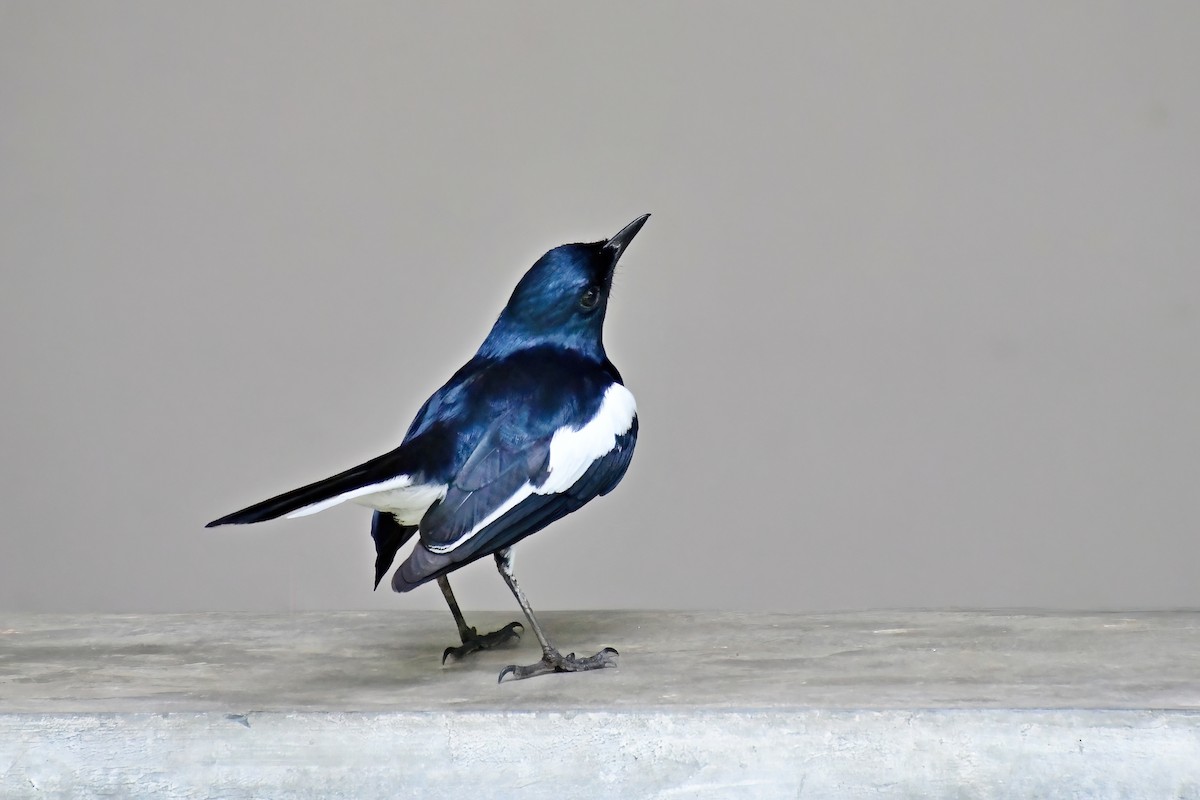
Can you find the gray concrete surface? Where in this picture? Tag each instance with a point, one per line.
(880, 704)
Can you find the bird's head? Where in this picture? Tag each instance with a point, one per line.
(561, 300)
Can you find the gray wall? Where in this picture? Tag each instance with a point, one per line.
(915, 322)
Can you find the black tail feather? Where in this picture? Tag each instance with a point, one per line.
(377, 470)
(389, 536)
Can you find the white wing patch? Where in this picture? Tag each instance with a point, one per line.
(397, 495)
(572, 451)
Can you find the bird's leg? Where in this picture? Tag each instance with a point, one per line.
(552, 660)
(464, 631)
(471, 640)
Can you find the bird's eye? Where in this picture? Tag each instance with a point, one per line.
(590, 298)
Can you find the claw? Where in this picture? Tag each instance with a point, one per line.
(474, 643)
(552, 661)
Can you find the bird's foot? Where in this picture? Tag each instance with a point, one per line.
(473, 642)
(553, 661)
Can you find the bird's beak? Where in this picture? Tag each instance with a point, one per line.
(617, 244)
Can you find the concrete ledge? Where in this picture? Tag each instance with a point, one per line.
(898, 704)
(753, 754)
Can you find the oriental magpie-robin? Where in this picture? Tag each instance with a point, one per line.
(534, 426)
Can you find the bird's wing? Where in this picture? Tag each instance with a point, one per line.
(542, 507)
(502, 470)
(514, 485)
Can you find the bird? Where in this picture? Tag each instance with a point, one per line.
(533, 427)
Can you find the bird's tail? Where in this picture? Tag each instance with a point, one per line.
(376, 475)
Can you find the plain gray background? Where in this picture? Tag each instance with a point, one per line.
(915, 321)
